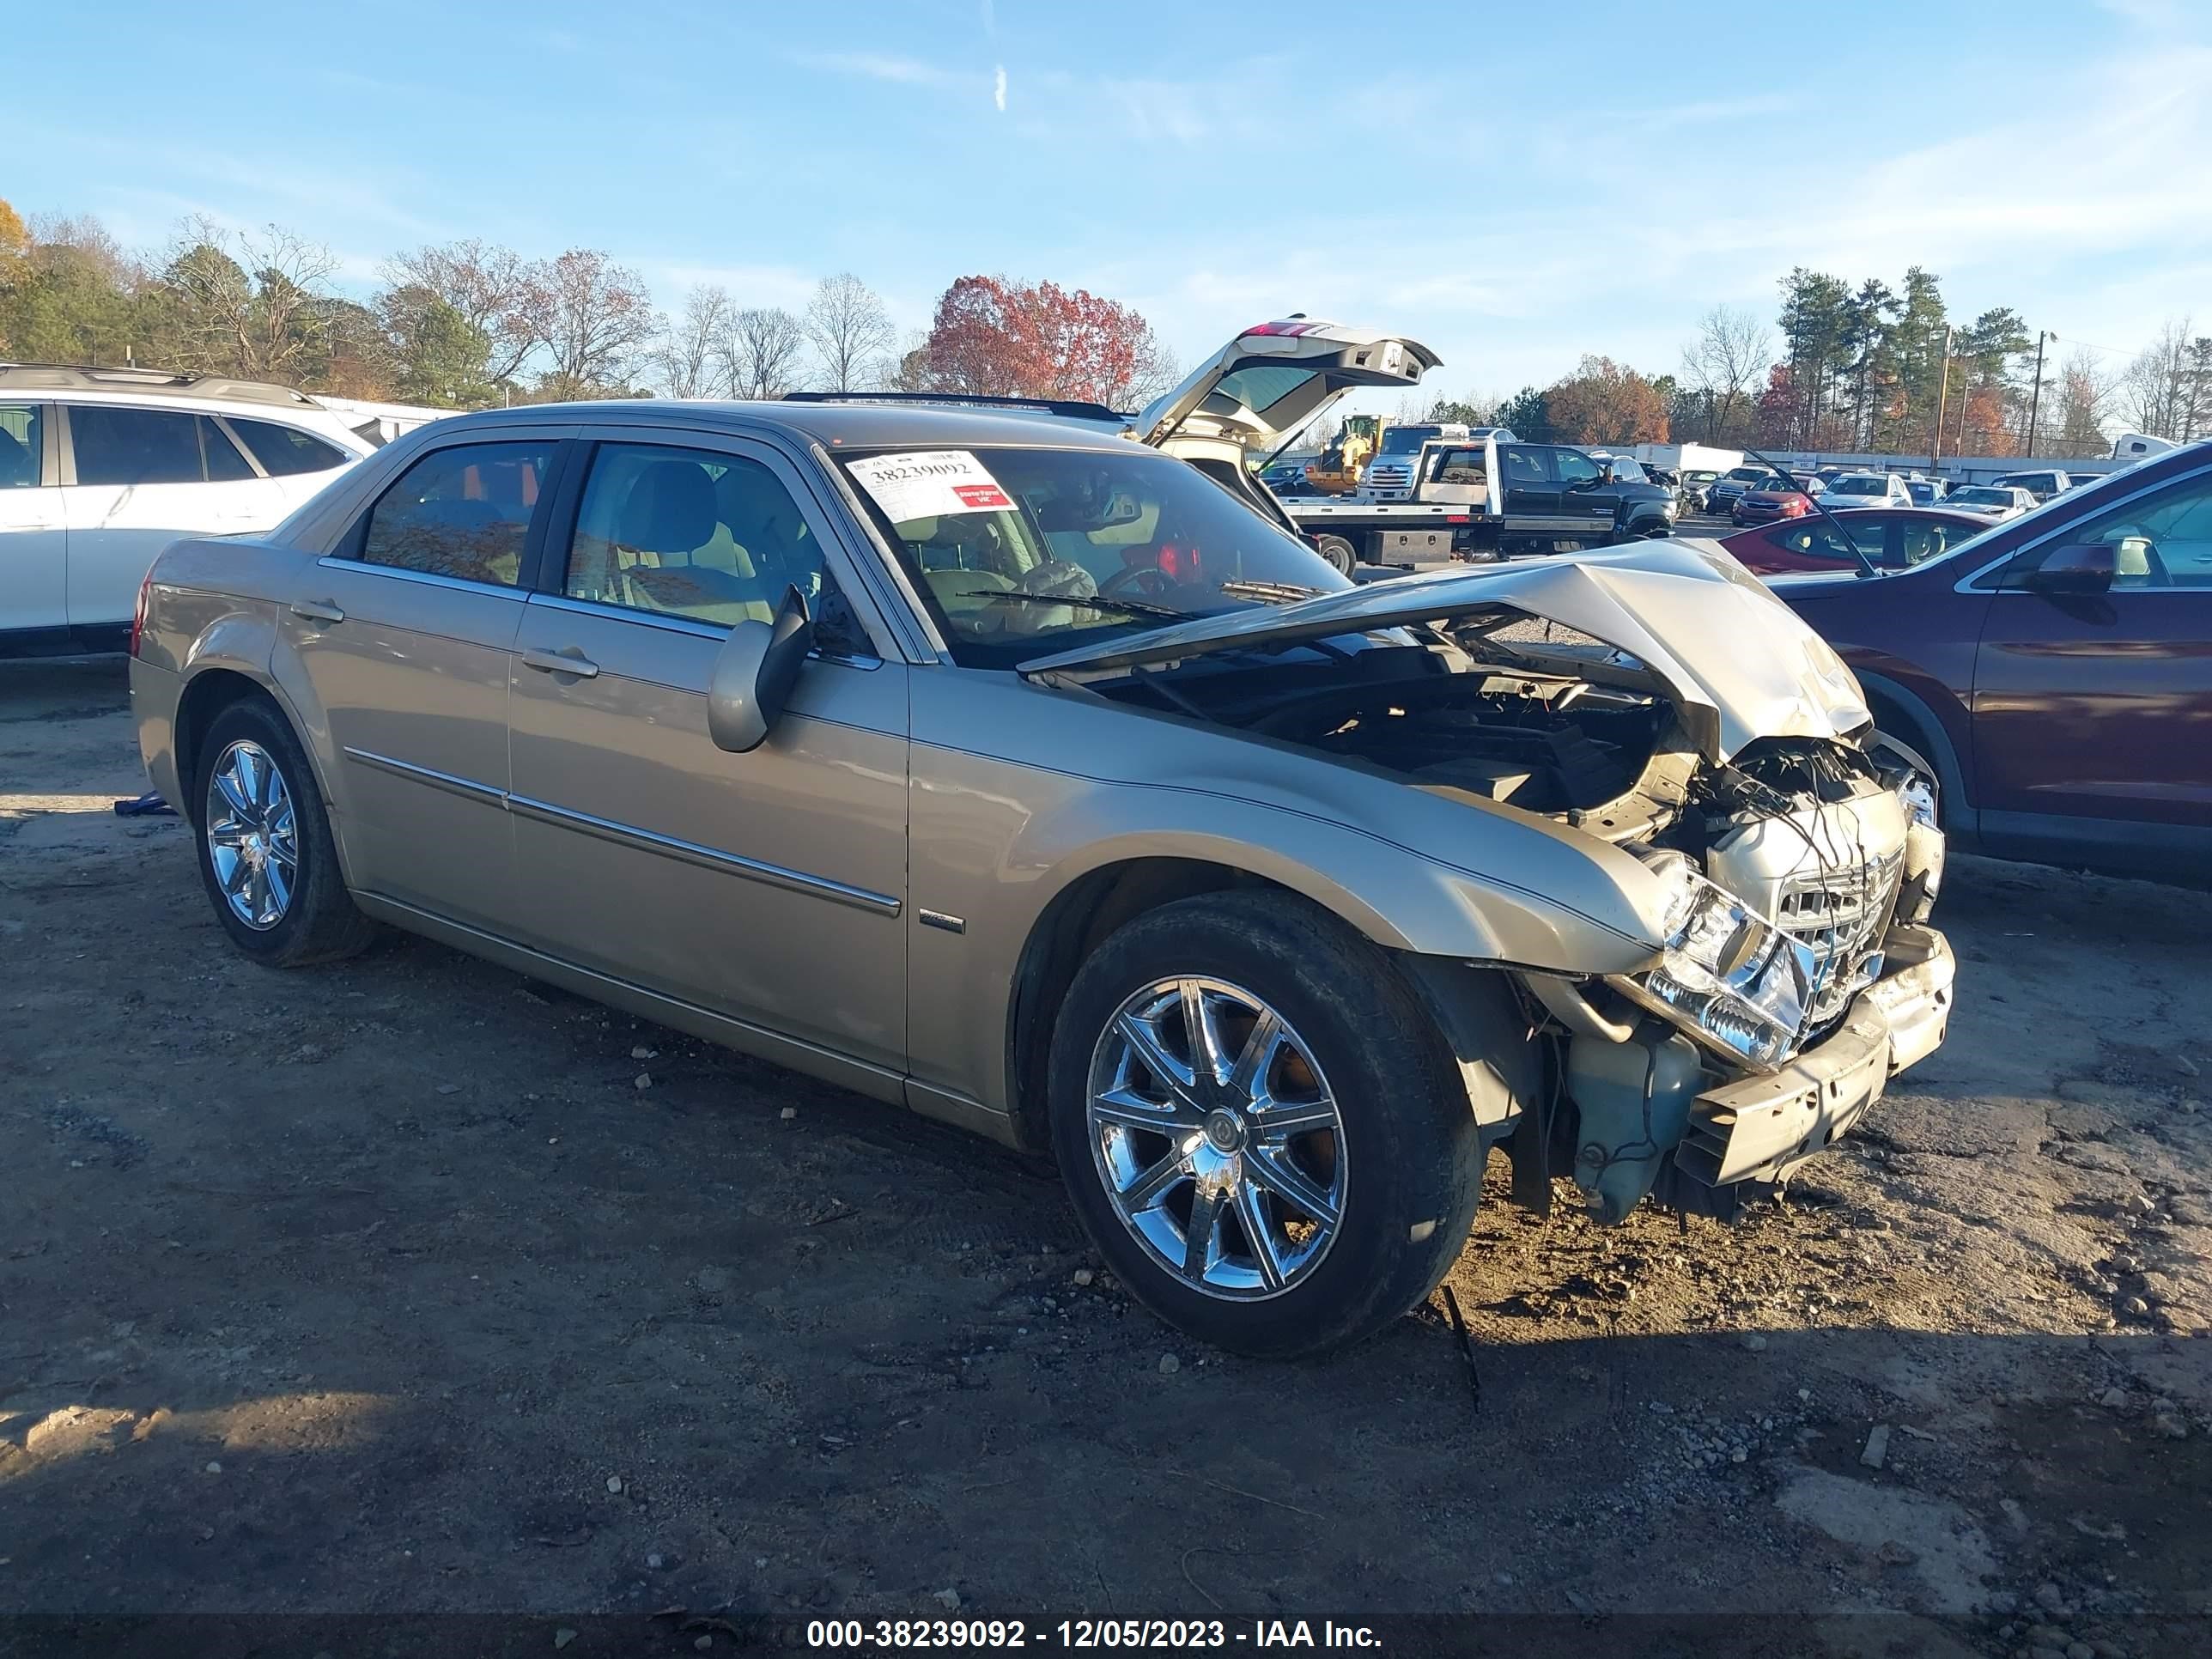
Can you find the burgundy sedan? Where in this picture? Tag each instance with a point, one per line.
(1769, 503)
(2055, 670)
(1894, 537)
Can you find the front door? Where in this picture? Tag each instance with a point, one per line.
(1588, 504)
(2099, 706)
(139, 479)
(769, 886)
(34, 565)
(404, 636)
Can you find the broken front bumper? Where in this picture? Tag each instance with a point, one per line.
(1755, 1130)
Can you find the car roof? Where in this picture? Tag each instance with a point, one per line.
(857, 425)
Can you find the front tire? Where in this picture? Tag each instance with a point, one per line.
(1260, 1128)
(266, 856)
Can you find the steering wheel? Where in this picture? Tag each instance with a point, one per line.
(1146, 580)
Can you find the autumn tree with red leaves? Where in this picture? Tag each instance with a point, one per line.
(994, 337)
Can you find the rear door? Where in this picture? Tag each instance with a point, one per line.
(134, 480)
(404, 636)
(34, 544)
(2098, 705)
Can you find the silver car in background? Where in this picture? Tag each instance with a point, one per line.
(1016, 772)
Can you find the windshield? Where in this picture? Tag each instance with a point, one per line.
(1977, 496)
(1022, 552)
(1859, 487)
(1405, 439)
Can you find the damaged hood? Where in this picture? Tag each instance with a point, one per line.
(1682, 618)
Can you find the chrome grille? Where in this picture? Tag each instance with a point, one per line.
(1840, 915)
(1389, 474)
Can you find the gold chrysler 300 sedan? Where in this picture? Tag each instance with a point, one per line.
(1008, 769)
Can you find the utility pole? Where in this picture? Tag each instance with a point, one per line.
(1942, 397)
(2035, 399)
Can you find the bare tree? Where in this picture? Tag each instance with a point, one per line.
(1731, 355)
(761, 350)
(494, 288)
(2157, 385)
(245, 303)
(689, 355)
(1157, 371)
(597, 319)
(2084, 391)
(851, 332)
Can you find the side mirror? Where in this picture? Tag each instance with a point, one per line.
(753, 676)
(2086, 568)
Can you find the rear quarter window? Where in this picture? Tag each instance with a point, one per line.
(283, 451)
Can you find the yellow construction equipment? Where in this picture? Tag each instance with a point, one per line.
(1336, 471)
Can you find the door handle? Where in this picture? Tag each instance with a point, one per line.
(566, 660)
(321, 611)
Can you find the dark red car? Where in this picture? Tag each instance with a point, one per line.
(1769, 503)
(2055, 671)
(1894, 537)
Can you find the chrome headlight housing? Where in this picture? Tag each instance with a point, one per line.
(1726, 974)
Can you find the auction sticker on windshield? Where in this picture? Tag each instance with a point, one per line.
(929, 484)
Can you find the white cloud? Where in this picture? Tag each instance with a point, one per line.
(746, 284)
(999, 87)
(884, 66)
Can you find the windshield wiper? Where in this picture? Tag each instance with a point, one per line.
(1866, 567)
(1095, 602)
(1270, 592)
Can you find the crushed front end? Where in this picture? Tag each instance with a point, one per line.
(1798, 975)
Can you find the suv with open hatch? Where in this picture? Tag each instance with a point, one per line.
(1008, 770)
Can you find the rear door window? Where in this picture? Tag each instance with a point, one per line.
(222, 459)
(283, 451)
(462, 511)
(118, 446)
(23, 445)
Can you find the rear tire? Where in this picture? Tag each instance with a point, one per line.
(1339, 553)
(1389, 1142)
(263, 843)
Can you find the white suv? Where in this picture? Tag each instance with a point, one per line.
(102, 468)
(1867, 489)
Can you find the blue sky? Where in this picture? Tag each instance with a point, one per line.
(1513, 185)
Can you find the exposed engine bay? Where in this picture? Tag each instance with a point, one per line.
(1796, 859)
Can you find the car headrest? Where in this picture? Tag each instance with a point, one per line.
(670, 509)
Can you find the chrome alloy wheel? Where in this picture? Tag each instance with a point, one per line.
(252, 836)
(1217, 1138)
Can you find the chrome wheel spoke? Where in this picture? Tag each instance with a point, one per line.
(230, 833)
(1156, 1182)
(278, 886)
(237, 795)
(1273, 1170)
(1258, 1231)
(1278, 1119)
(1201, 1235)
(1146, 1046)
(1250, 1079)
(1131, 1110)
(1201, 1023)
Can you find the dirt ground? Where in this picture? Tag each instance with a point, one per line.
(394, 1288)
